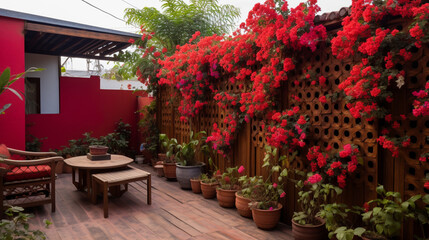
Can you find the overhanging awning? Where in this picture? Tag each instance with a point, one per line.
(62, 38)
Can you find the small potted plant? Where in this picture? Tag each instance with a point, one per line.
(168, 149)
(196, 184)
(243, 196)
(187, 166)
(307, 223)
(228, 186)
(208, 186)
(265, 206)
(384, 220)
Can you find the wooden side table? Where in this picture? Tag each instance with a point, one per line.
(86, 168)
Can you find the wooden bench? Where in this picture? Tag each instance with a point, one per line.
(117, 178)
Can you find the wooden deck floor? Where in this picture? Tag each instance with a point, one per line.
(174, 214)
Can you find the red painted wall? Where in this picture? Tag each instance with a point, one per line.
(84, 108)
(12, 123)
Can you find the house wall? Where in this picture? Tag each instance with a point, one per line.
(49, 80)
(12, 123)
(84, 108)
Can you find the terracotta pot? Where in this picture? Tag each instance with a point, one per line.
(170, 171)
(196, 185)
(242, 205)
(159, 170)
(226, 198)
(98, 150)
(59, 167)
(209, 190)
(267, 219)
(309, 231)
(162, 157)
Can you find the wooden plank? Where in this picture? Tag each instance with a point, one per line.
(74, 32)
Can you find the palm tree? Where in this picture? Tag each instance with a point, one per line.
(174, 26)
(179, 21)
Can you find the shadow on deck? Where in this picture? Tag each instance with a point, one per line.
(174, 214)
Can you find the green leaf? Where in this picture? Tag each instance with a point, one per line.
(359, 231)
(284, 173)
(426, 198)
(379, 228)
(4, 79)
(266, 164)
(15, 92)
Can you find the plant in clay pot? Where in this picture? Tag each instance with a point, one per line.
(169, 148)
(382, 221)
(265, 194)
(307, 223)
(228, 186)
(187, 166)
(208, 186)
(243, 196)
(341, 220)
(196, 184)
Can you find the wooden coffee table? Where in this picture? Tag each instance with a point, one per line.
(86, 168)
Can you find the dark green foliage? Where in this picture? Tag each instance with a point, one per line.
(16, 226)
(118, 142)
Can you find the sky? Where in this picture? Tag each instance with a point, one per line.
(81, 11)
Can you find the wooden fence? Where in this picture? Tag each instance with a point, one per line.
(331, 123)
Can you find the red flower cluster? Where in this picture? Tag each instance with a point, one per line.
(287, 129)
(421, 104)
(223, 138)
(334, 166)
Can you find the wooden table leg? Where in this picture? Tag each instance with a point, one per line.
(88, 183)
(105, 200)
(149, 190)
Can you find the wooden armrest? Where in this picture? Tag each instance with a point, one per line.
(32, 154)
(32, 162)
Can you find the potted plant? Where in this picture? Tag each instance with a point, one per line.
(196, 184)
(187, 166)
(228, 186)
(340, 221)
(208, 186)
(382, 221)
(307, 223)
(243, 196)
(265, 194)
(168, 149)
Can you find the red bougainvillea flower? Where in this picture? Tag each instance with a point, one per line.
(427, 185)
(315, 178)
(131, 40)
(282, 195)
(274, 185)
(366, 207)
(241, 169)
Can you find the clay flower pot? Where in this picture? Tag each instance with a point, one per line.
(209, 189)
(170, 171)
(196, 185)
(159, 170)
(226, 198)
(267, 219)
(242, 205)
(309, 231)
(98, 150)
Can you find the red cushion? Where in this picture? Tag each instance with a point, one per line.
(4, 153)
(17, 157)
(28, 172)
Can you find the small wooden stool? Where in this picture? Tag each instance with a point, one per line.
(117, 178)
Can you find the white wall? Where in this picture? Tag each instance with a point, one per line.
(49, 80)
